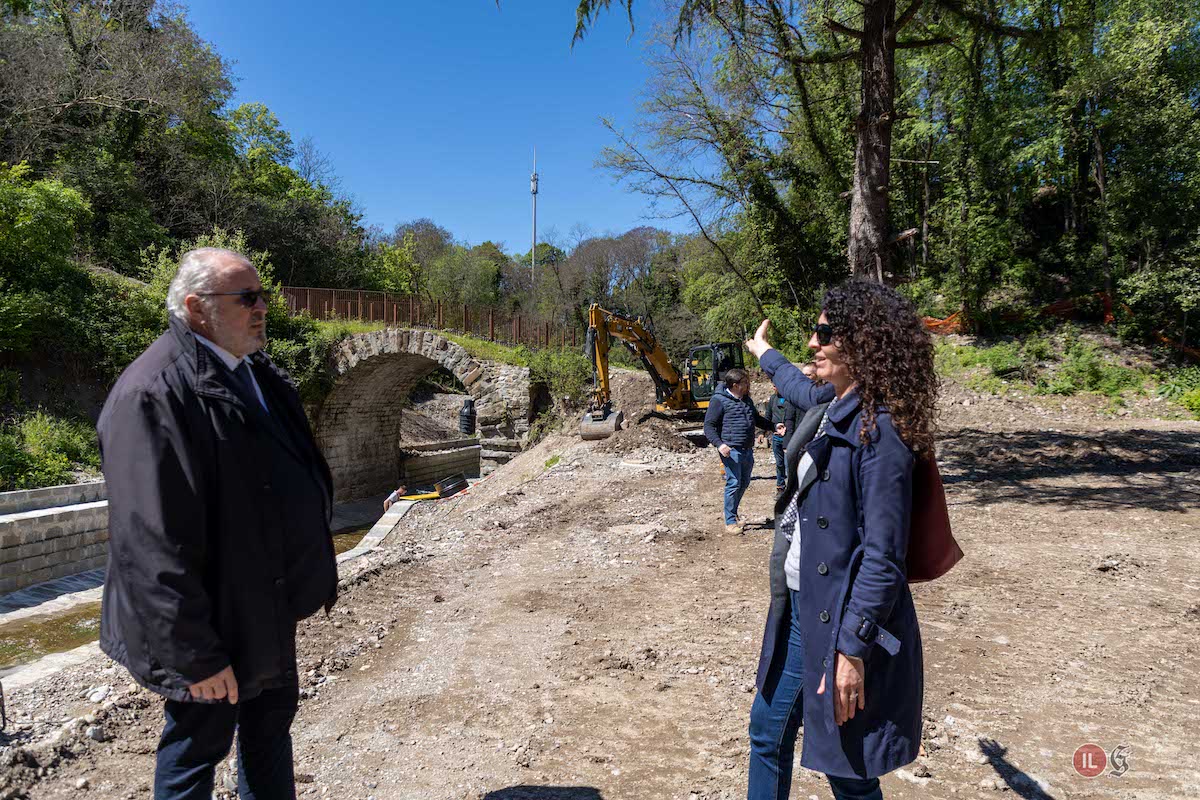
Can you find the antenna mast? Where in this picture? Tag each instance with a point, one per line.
(533, 189)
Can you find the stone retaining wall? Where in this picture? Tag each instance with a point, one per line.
(41, 544)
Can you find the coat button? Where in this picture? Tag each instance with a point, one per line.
(822, 522)
(822, 569)
(824, 616)
(279, 583)
(825, 475)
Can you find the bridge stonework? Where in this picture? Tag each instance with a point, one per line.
(358, 424)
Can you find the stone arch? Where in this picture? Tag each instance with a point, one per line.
(358, 424)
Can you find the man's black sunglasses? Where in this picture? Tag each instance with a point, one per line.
(824, 333)
(247, 297)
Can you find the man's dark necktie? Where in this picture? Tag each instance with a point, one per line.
(242, 373)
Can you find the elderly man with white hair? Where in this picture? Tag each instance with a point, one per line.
(219, 543)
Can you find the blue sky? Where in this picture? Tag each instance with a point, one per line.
(432, 109)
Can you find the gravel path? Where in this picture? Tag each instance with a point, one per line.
(587, 630)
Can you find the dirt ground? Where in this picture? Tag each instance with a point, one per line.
(585, 630)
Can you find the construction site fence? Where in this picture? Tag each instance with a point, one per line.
(409, 311)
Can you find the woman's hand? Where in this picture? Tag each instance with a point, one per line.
(850, 694)
(759, 344)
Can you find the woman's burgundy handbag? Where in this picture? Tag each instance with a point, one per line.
(932, 550)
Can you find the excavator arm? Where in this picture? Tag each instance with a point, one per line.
(603, 325)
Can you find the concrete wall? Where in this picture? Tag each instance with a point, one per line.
(42, 543)
(422, 465)
(358, 424)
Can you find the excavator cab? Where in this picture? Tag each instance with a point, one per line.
(707, 365)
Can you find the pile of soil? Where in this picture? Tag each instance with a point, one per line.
(632, 394)
(654, 432)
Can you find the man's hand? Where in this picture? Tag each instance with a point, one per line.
(724, 450)
(219, 687)
(781, 429)
(759, 345)
(850, 695)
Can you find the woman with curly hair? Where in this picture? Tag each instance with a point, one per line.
(842, 650)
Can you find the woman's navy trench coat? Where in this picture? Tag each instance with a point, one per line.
(853, 597)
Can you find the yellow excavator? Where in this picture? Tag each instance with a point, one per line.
(682, 395)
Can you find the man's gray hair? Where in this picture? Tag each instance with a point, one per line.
(195, 276)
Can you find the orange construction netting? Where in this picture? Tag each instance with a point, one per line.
(1065, 309)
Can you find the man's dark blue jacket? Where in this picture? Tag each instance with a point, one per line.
(731, 421)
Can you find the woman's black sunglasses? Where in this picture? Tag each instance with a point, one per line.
(247, 297)
(824, 333)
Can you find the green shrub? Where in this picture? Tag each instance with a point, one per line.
(1004, 360)
(1037, 348)
(1011, 360)
(39, 449)
(1191, 401)
(44, 435)
(565, 373)
(1084, 369)
(10, 388)
(20, 469)
(1178, 382)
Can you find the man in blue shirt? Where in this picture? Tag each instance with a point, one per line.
(729, 425)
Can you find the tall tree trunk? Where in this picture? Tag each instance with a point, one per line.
(868, 245)
(925, 206)
(1102, 185)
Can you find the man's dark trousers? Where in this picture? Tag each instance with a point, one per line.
(777, 448)
(197, 737)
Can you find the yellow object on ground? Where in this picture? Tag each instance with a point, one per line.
(426, 496)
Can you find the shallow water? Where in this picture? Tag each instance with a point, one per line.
(28, 639)
(348, 539)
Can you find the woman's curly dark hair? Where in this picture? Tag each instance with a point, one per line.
(889, 354)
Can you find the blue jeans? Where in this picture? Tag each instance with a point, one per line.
(198, 736)
(739, 466)
(775, 720)
(780, 465)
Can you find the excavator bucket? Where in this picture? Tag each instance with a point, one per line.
(594, 427)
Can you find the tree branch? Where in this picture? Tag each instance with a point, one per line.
(691, 211)
(986, 22)
(838, 27)
(825, 57)
(907, 15)
(913, 44)
(779, 25)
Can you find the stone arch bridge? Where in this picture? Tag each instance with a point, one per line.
(357, 425)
